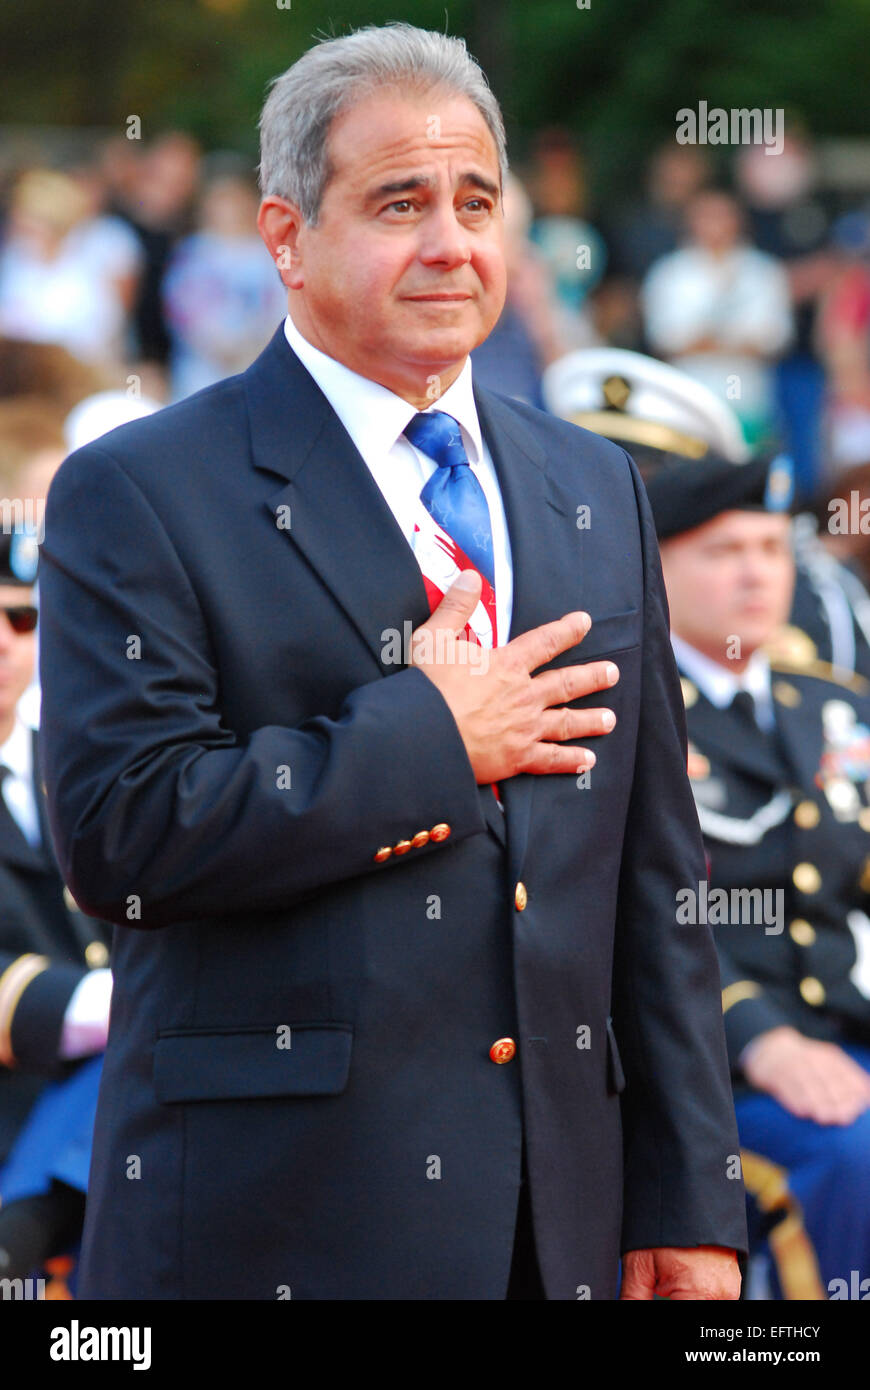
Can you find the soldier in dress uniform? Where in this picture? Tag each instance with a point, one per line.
(663, 416)
(55, 984)
(779, 758)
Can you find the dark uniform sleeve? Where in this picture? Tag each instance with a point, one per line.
(747, 1009)
(34, 994)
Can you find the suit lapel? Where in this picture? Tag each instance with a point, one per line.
(329, 505)
(331, 509)
(536, 508)
(726, 737)
(802, 739)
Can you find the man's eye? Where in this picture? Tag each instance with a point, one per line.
(402, 203)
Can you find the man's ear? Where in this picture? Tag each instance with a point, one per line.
(279, 223)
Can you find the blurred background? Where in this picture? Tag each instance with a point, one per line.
(128, 150)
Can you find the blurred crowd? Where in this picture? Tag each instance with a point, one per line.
(145, 262)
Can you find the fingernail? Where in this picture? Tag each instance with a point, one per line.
(608, 719)
(612, 673)
(467, 580)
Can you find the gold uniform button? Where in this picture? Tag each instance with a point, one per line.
(503, 1051)
(402, 847)
(69, 900)
(383, 854)
(96, 954)
(807, 878)
(787, 694)
(802, 932)
(420, 839)
(521, 897)
(439, 832)
(807, 814)
(812, 990)
(864, 818)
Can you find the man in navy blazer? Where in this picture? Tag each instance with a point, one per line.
(401, 1006)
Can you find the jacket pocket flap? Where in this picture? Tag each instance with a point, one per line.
(288, 1060)
(614, 633)
(615, 1074)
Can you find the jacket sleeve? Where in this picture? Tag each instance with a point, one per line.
(34, 994)
(682, 1174)
(158, 811)
(748, 1010)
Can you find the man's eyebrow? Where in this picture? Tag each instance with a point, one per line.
(470, 178)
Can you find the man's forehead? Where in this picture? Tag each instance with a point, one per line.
(12, 595)
(394, 136)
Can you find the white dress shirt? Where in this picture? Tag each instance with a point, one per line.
(721, 685)
(375, 418)
(18, 791)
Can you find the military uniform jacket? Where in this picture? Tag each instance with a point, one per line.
(787, 813)
(327, 930)
(46, 947)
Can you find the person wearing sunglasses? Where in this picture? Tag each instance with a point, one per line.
(55, 985)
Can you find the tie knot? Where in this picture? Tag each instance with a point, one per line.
(437, 434)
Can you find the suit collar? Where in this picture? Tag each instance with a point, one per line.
(329, 507)
(374, 416)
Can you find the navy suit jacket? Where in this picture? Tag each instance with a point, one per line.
(298, 1097)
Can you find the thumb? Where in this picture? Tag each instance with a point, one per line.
(458, 603)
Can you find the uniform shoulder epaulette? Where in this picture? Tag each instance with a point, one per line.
(793, 651)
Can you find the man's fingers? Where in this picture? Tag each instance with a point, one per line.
(638, 1275)
(562, 724)
(540, 645)
(572, 682)
(545, 759)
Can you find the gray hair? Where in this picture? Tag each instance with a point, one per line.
(303, 102)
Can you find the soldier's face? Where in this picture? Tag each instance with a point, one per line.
(730, 583)
(17, 650)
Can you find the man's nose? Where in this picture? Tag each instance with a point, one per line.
(444, 240)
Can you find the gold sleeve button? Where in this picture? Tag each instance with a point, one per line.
(402, 847)
(383, 854)
(504, 1050)
(807, 814)
(420, 839)
(521, 897)
(439, 832)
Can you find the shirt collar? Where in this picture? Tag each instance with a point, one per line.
(716, 682)
(374, 416)
(15, 753)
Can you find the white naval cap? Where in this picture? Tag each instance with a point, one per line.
(96, 415)
(639, 400)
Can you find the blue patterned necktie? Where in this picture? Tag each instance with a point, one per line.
(453, 495)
